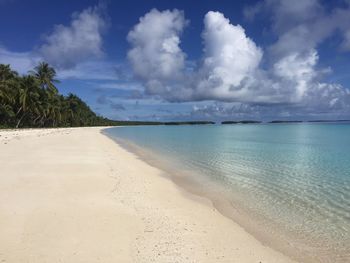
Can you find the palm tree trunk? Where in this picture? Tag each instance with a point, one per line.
(19, 110)
(20, 120)
(36, 119)
(42, 121)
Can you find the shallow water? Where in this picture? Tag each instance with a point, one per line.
(289, 184)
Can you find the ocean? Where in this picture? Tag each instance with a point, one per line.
(286, 184)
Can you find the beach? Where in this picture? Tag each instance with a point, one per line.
(74, 195)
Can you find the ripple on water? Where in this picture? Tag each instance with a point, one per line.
(291, 181)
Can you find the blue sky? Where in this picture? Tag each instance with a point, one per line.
(172, 60)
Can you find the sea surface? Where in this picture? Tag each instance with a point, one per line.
(287, 184)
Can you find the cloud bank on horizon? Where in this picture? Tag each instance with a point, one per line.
(234, 75)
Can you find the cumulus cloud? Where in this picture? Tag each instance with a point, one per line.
(69, 45)
(229, 58)
(301, 25)
(155, 54)
(158, 60)
(300, 72)
(74, 50)
(231, 67)
(297, 71)
(300, 28)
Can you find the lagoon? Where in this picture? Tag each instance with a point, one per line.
(287, 184)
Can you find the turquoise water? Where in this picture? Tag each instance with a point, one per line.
(288, 184)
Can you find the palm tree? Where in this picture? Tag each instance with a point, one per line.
(7, 80)
(46, 76)
(8, 94)
(33, 101)
(28, 98)
(6, 73)
(54, 110)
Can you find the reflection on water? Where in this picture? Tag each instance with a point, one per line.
(293, 180)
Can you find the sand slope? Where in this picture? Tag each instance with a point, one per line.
(73, 195)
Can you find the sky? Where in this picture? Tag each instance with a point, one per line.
(188, 60)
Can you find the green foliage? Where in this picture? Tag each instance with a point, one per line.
(34, 101)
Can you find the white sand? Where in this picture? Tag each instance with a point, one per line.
(73, 195)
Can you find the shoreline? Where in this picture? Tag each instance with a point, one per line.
(217, 198)
(76, 195)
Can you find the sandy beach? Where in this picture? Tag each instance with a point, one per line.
(74, 195)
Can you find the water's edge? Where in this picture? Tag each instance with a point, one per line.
(225, 207)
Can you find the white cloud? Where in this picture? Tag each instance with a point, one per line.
(155, 54)
(287, 13)
(230, 69)
(93, 69)
(69, 45)
(158, 61)
(73, 50)
(301, 26)
(229, 58)
(20, 61)
(233, 111)
(297, 71)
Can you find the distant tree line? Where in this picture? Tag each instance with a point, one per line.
(33, 101)
(241, 122)
(187, 122)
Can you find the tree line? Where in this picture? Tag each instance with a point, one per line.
(33, 100)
